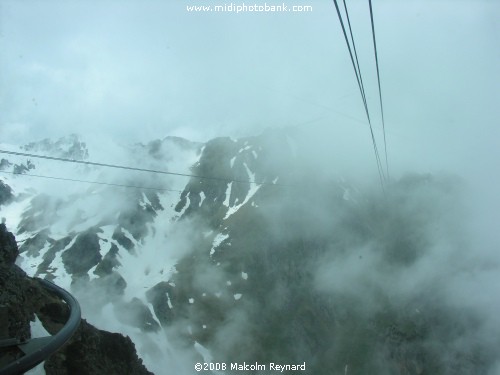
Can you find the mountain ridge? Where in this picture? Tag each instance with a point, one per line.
(259, 262)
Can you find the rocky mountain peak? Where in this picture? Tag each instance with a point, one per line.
(69, 147)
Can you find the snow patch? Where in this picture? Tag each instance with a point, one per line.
(244, 275)
(37, 330)
(188, 202)
(91, 273)
(152, 311)
(107, 232)
(244, 149)
(228, 194)
(217, 241)
(57, 269)
(253, 189)
(30, 264)
(144, 202)
(202, 197)
(237, 296)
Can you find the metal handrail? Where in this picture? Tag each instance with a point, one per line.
(55, 342)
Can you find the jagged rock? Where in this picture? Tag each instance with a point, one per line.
(9, 250)
(5, 193)
(83, 254)
(4, 164)
(89, 351)
(109, 261)
(93, 351)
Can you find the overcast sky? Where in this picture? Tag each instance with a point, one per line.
(140, 70)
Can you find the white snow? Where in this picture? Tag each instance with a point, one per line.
(253, 189)
(228, 194)
(244, 149)
(107, 232)
(37, 330)
(237, 296)
(219, 238)
(228, 283)
(202, 197)
(145, 201)
(188, 202)
(254, 154)
(30, 264)
(91, 273)
(232, 161)
(244, 275)
(57, 269)
(37, 370)
(191, 300)
(152, 311)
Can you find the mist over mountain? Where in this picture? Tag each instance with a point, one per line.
(259, 257)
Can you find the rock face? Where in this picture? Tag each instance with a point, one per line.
(90, 350)
(5, 192)
(93, 351)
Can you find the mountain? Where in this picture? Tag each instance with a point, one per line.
(27, 305)
(238, 254)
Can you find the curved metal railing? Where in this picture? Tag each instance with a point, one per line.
(39, 349)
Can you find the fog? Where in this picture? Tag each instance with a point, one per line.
(132, 72)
